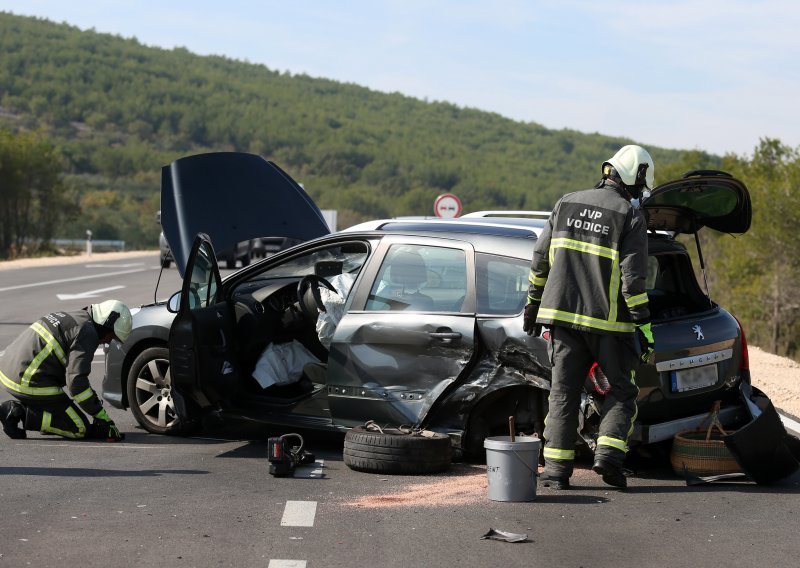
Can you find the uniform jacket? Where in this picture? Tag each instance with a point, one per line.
(54, 352)
(590, 263)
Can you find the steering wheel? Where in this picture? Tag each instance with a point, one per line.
(308, 297)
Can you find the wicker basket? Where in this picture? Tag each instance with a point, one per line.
(702, 451)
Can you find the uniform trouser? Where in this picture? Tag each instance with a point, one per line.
(57, 415)
(572, 354)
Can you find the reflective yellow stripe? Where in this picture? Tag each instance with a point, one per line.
(585, 321)
(536, 280)
(638, 300)
(50, 346)
(79, 423)
(51, 341)
(30, 391)
(613, 285)
(85, 395)
(622, 445)
(613, 442)
(581, 246)
(558, 454)
(613, 290)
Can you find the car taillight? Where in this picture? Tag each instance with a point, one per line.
(745, 364)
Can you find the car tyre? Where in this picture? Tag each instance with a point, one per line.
(165, 262)
(149, 390)
(394, 451)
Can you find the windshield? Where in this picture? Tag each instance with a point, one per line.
(341, 259)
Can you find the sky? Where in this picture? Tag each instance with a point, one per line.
(714, 75)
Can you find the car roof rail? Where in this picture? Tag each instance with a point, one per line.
(456, 223)
(517, 213)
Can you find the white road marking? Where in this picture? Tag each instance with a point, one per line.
(793, 425)
(115, 445)
(75, 279)
(299, 514)
(90, 294)
(275, 563)
(306, 471)
(115, 265)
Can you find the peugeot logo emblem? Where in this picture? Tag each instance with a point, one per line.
(698, 332)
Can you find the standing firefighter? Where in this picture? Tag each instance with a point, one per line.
(56, 352)
(587, 284)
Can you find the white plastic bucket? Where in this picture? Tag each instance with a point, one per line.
(511, 467)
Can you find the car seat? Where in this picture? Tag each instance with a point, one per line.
(405, 274)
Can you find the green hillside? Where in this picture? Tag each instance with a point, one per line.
(88, 119)
(117, 111)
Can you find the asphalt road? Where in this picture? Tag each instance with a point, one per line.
(209, 500)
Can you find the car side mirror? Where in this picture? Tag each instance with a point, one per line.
(174, 303)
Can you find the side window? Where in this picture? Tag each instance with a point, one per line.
(420, 278)
(202, 283)
(502, 284)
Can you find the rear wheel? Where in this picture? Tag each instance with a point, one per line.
(527, 405)
(150, 393)
(395, 451)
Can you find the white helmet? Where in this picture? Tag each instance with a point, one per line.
(634, 166)
(114, 316)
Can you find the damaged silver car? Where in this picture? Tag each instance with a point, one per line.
(401, 322)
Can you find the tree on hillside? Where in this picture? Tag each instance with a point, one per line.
(31, 197)
(760, 270)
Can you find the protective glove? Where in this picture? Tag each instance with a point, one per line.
(114, 435)
(646, 342)
(529, 324)
(105, 427)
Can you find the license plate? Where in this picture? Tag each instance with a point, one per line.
(694, 378)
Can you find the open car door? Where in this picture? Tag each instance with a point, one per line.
(202, 365)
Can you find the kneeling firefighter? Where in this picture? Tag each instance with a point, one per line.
(54, 353)
(587, 284)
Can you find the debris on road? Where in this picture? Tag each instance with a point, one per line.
(497, 534)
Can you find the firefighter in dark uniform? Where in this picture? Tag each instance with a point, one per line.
(587, 284)
(54, 353)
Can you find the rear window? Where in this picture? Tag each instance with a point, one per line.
(672, 288)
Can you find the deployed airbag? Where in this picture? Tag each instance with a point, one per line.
(282, 363)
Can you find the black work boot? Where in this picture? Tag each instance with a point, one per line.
(11, 414)
(554, 481)
(612, 474)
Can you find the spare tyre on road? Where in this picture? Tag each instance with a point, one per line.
(372, 449)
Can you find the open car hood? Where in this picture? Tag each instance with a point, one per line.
(702, 198)
(232, 197)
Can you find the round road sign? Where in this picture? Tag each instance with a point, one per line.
(447, 205)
